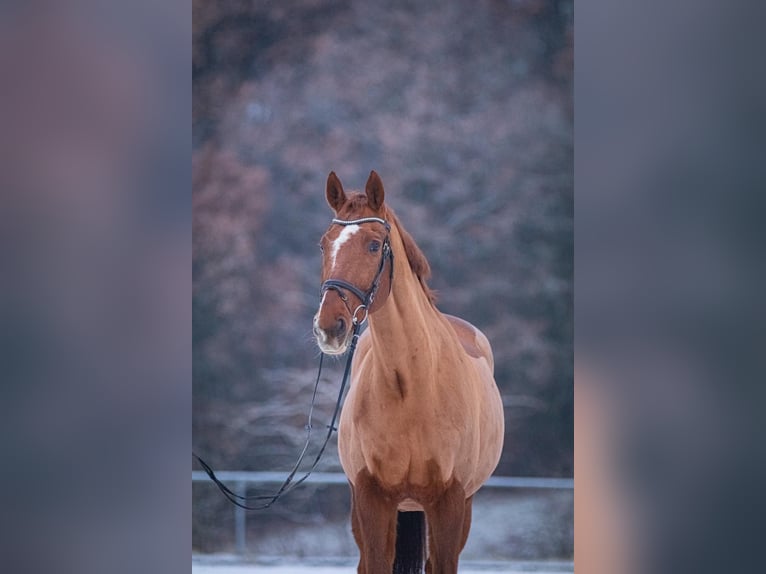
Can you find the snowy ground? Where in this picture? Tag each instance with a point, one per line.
(218, 564)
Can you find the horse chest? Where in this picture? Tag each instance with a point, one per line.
(403, 437)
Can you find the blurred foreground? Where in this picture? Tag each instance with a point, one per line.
(669, 285)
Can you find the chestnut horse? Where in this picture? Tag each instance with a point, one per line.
(422, 427)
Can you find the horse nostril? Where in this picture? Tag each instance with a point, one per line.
(341, 327)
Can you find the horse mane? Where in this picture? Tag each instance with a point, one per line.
(415, 257)
(417, 260)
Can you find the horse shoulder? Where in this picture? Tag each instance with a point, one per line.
(474, 342)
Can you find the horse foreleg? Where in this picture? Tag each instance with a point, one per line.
(357, 532)
(374, 525)
(466, 521)
(447, 530)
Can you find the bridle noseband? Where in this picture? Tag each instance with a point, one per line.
(368, 297)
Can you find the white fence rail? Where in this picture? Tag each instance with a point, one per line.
(238, 480)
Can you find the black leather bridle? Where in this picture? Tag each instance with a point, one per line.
(366, 298)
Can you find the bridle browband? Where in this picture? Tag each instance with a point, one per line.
(365, 298)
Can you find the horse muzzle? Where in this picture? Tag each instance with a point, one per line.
(332, 337)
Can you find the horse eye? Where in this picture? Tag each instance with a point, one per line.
(374, 246)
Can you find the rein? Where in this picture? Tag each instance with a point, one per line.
(288, 483)
(367, 300)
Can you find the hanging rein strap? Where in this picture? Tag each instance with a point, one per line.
(288, 483)
(367, 300)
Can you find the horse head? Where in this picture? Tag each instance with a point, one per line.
(357, 263)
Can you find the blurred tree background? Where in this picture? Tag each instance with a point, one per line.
(465, 110)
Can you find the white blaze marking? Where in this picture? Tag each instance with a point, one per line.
(321, 304)
(321, 334)
(344, 236)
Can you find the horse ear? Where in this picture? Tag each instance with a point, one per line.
(334, 192)
(374, 191)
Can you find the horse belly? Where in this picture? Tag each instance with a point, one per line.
(478, 463)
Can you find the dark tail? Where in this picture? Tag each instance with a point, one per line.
(410, 543)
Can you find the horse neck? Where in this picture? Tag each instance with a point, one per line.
(405, 330)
